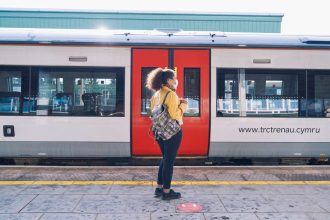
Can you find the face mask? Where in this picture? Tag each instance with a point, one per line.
(175, 86)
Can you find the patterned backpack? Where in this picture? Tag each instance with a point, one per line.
(163, 126)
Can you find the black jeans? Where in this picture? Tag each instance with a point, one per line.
(169, 150)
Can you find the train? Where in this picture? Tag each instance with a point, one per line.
(81, 94)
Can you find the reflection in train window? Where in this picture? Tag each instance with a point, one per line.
(318, 94)
(146, 94)
(263, 93)
(275, 93)
(227, 92)
(62, 91)
(15, 96)
(250, 88)
(191, 91)
(50, 85)
(274, 87)
(10, 91)
(81, 92)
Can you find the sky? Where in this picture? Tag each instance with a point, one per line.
(300, 16)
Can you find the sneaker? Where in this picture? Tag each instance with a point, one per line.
(158, 192)
(171, 195)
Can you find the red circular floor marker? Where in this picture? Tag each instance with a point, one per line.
(189, 207)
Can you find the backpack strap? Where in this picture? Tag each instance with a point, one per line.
(166, 97)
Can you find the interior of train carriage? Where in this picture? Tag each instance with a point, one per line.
(62, 91)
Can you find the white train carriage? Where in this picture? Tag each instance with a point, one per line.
(80, 93)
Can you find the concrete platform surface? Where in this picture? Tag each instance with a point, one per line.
(149, 173)
(100, 193)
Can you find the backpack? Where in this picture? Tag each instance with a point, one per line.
(163, 126)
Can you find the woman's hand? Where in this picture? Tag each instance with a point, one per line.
(183, 101)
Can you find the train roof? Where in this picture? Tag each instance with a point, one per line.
(159, 37)
(165, 12)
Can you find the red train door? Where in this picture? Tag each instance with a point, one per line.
(193, 75)
(192, 68)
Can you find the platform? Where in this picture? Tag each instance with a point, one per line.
(99, 193)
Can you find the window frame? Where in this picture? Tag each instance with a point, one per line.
(302, 93)
(185, 114)
(35, 71)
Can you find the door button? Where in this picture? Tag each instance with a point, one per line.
(8, 131)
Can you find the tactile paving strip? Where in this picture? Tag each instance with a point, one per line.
(150, 174)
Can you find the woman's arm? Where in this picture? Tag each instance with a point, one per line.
(175, 108)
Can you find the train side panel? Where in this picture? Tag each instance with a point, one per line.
(242, 136)
(68, 136)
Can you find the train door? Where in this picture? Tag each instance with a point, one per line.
(192, 67)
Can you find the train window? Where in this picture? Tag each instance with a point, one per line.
(50, 84)
(67, 91)
(263, 93)
(191, 91)
(15, 91)
(318, 93)
(146, 94)
(274, 93)
(10, 91)
(227, 92)
(81, 91)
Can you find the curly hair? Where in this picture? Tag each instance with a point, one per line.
(158, 77)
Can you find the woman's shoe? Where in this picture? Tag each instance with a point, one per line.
(158, 192)
(171, 195)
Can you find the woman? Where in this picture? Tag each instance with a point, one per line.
(165, 83)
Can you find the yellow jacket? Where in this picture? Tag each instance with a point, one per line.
(175, 108)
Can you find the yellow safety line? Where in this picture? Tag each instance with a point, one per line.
(107, 182)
